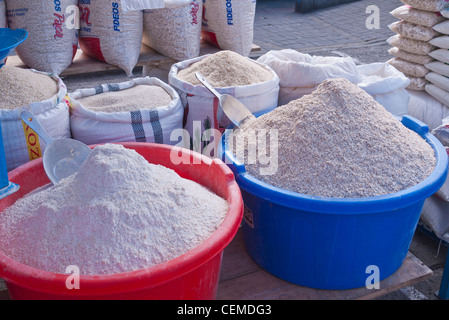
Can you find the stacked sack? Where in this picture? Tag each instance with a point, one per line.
(438, 77)
(414, 40)
(3, 22)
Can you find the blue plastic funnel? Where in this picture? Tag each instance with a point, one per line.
(9, 40)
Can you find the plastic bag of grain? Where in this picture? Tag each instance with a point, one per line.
(110, 35)
(440, 42)
(438, 93)
(3, 22)
(174, 31)
(410, 45)
(141, 110)
(386, 85)
(439, 80)
(440, 55)
(411, 57)
(442, 27)
(253, 83)
(39, 92)
(413, 31)
(413, 69)
(416, 16)
(52, 36)
(427, 5)
(301, 73)
(417, 84)
(445, 13)
(229, 24)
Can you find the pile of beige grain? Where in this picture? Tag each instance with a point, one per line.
(226, 69)
(339, 142)
(20, 87)
(135, 98)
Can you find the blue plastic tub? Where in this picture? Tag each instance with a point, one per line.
(330, 243)
(9, 40)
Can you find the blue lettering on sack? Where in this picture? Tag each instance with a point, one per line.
(116, 16)
(57, 5)
(229, 12)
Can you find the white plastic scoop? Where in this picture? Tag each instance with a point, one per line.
(62, 157)
(232, 107)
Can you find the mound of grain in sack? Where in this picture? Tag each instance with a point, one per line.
(226, 69)
(119, 213)
(135, 98)
(339, 142)
(19, 87)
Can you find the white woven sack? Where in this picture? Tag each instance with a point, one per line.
(440, 55)
(434, 215)
(143, 125)
(50, 45)
(440, 42)
(3, 22)
(202, 107)
(426, 108)
(439, 80)
(229, 24)
(174, 31)
(300, 73)
(438, 93)
(438, 67)
(20, 142)
(110, 35)
(386, 85)
(442, 27)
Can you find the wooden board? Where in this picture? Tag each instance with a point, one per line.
(83, 64)
(242, 279)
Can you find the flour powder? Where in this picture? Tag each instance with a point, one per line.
(339, 142)
(119, 213)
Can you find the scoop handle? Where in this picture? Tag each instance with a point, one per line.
(207, 84)
(30, 119)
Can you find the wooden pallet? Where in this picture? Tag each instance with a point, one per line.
(83, 64)
(242, 279)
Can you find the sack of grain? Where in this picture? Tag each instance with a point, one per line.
(110, 35)
(440, 55)
(409, 68)
(440, 42)
(434, 216)
(445, 13)
(39, 92)
(442, 27)
(3, 22)
(416, 16)
(417, 84)
(439, 80)
(300, 73)
(438, 93)
(438, 67)
(229, 25)
(410, 45)
(141, 110)
(52, 41)
(413, 31)
(427, 5)
(411, 57)
(253, 83)
(386, 85)
(174, 31)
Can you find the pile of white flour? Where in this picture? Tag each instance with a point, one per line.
(118, 213)
(339, 142)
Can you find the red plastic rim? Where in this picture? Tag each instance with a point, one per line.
(54, 283)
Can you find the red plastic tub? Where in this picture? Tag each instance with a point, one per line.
(191, 276)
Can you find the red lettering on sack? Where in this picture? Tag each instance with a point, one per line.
(85, 15)
(194, 12)
(58, 25)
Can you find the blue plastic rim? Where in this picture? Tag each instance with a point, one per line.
(333, 243)
(9, 40)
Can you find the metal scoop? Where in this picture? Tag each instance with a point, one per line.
(232, 107)
(62, 157)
